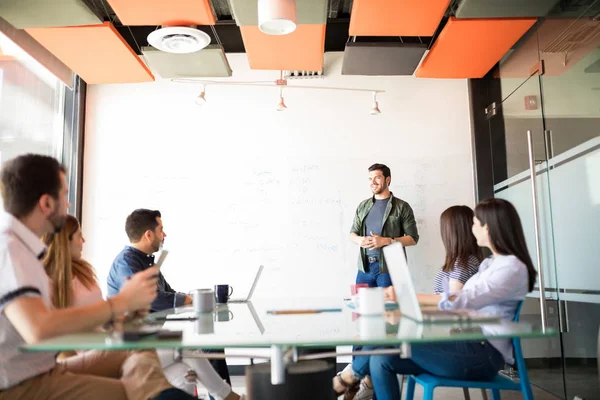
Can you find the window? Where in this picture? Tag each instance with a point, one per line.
(31, 105)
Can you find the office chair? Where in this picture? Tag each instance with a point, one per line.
(430, 382)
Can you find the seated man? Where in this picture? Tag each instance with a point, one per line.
(144, 229)
(34, 191)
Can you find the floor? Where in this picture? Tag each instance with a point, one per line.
(582, 381)
(442, 393)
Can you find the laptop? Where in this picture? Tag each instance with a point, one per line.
(247, 298)
(407, 297)
(257, 320)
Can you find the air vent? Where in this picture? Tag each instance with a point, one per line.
(302, 74)
(178, 39)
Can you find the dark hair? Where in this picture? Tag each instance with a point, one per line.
(460, 244)
(140, 221)
(25, 179)
(506, 232)
(385, 170)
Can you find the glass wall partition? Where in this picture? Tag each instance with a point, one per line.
(546, 124)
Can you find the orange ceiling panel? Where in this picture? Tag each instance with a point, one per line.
(469, 48)
(97, 53)
(163, 12)
(396, 17)
(300, 50)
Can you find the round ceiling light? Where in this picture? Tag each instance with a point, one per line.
(277, 17)
(178, 39)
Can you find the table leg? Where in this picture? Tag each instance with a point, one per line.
(277, 365)
(405, 350)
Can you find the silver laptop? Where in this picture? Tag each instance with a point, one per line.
(407, 298)
(247, 298)
(257, 320)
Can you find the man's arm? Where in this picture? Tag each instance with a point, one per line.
(363, 241)
(167, 297)
(409, 226)
(34, 321)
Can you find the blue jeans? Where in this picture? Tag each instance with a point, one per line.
(373, 277)
(474, 361)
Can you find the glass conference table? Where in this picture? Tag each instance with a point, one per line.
(257, 324)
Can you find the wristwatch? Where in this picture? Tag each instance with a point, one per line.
(393, 240)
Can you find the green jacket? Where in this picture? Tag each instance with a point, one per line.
(398, 221)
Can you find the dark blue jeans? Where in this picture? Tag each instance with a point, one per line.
(474, 361)
(373, 277)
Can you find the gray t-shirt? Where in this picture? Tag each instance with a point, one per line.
(21, 275)
(374, 222)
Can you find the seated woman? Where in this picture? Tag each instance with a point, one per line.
(503, 281)
(74, 283)
(463, 257)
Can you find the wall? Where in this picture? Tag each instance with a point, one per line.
(240, 184)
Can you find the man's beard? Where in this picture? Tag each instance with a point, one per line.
(380, 189)
(157, 246)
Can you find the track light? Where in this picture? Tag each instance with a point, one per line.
(375, 110)
(281, 105)
(201, 99)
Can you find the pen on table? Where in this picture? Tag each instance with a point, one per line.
(308, 311)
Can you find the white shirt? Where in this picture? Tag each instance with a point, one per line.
(21, 275)
(497, 289)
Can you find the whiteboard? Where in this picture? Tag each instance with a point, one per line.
(252, 186)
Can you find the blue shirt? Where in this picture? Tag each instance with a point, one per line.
(374, 222)
(497, 289)
(131, 260)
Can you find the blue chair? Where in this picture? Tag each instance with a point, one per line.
(430, 382)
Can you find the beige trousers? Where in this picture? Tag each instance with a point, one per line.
(113, 375)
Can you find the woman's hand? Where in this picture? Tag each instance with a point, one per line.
(389, 294)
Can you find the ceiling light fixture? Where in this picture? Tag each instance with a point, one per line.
(178, 39)
(281, 105)
(201, 99)
(279, 83)
(375, 110)
(277, 17)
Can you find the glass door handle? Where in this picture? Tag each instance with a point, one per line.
(563, 315)
(536, 227)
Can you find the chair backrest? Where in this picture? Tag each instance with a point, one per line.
(518, 312)
(518, 352)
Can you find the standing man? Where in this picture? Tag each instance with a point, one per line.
(380, 221)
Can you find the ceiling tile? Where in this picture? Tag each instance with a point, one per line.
(396, 17)
(307, 11)
(363, 58)
(504, 8)
(46, 13)
(161, 12)
(209, 62)
(300, 50)
(97, 53)
(469, 48)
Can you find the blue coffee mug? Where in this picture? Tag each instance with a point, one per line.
(223, 293)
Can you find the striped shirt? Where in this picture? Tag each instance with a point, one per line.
(461, 272)
(21, 275)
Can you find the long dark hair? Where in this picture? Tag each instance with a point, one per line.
(506, 232)
(458, 239)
